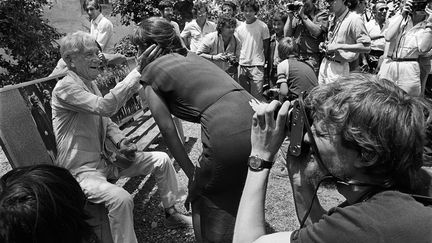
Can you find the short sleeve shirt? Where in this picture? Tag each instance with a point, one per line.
(389, 216)
(349, 28)
(251, 37)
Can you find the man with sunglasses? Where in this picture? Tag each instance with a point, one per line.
(372, 155)
(376, 28)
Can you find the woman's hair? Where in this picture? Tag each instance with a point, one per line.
(379, 120)
(156, 30)
(42, 203)
(225, 20)
(75, 43)
(286, 47)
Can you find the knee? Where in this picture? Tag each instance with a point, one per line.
(120, 198)
(162, 159)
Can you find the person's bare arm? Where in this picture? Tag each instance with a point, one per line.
(163, 118)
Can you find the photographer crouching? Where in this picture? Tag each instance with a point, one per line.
(364, 135)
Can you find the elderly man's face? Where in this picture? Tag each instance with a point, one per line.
(86, 63)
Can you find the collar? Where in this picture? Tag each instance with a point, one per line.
(98, 19)
(88, 85)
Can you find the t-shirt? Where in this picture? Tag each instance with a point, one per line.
(251, 37)
(389, 216)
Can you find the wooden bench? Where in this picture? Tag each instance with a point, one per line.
(23, 144)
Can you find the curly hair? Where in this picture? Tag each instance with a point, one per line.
(75, 43)
(155, 30)
(200, 5)
(43, 203)
(379, 120)
(225, 20)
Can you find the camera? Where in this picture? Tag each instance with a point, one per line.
(232, 60)
(418, 5)
(295, 6)
(300, 117)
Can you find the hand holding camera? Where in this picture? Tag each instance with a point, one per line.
(268, 133)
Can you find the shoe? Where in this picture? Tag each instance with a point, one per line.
(178, 220)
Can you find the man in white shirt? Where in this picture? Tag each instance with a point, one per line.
(100, 27)
(167, 10)
(254, 36)
(195, 30)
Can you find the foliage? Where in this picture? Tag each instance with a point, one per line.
(111, 76)
(135, 11)
(27, 41)
(125, 47)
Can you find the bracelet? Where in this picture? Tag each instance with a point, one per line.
(211, 57)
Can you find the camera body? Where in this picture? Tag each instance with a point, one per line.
(231, 59)
(294, 6)
(296, 122)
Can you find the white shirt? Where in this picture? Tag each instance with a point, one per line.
(251, 37)
(102, 30)
(374, 29)
(194, 32)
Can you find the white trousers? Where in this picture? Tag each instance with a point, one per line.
(330, 71)
(119, 202)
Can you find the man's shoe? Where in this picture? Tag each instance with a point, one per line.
(178, 220)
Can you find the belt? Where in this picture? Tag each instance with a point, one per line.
(403, 59)
(331, 59)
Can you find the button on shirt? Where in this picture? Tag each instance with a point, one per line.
(102, 30)
(195, 33)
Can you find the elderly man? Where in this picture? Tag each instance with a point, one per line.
(374, 162)
(83, 129)
(100, 27)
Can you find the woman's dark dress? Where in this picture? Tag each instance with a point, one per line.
(198, 91)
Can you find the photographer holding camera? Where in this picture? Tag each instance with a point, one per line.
(373, 156)
(307, 24)
(222, 47)
(410, 37)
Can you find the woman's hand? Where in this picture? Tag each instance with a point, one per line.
(150, 54)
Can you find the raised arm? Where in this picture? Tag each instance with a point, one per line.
(266, 137)
(164, 120)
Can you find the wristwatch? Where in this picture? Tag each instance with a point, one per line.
(255, 163)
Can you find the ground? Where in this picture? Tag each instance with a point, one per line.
(148, 213)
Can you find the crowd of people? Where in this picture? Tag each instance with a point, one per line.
(351, 108)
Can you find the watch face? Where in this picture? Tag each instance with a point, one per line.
(255, 163)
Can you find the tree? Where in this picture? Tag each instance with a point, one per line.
(27, 41)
